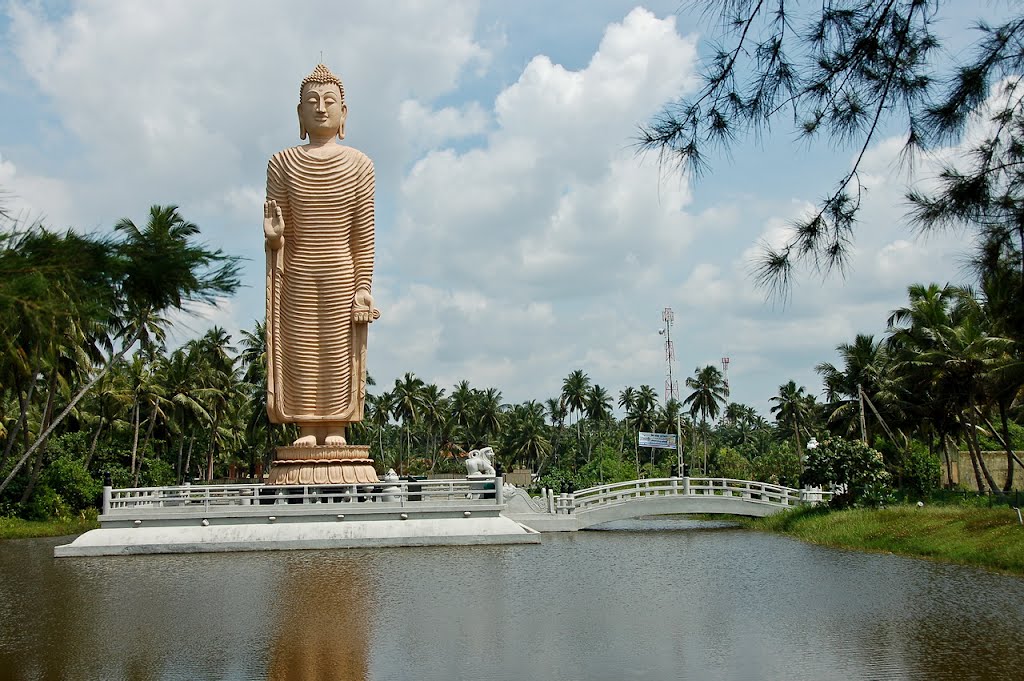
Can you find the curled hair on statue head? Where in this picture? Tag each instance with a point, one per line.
(322, 75)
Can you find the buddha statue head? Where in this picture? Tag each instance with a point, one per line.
(321, 108)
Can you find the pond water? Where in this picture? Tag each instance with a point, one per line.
(644, 599)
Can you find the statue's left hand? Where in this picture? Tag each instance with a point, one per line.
(363, 311)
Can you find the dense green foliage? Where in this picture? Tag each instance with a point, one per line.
(158, 416)
(855, 471)
(72, 308)
(87, 387)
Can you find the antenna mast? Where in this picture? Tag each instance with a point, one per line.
(671, 385)
(725, 374)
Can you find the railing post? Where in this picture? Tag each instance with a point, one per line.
(499, 491)
(551, 501)
(686, 485)
(107, 492)
(675, 486)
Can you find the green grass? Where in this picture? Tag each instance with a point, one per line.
(983, 537)
(16, 528)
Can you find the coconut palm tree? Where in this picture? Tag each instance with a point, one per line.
(488, 415)
(408, 406)
(574, 394)
(526, 434)
(434, 415)
(793, 411)
(709, 395)
(867, 368)
(378, 414)
(627, 399)
(957, 363)
(461, 407)
(597, 404)
(216, 367)
(152, 270)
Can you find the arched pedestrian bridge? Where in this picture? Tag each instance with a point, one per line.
(657, 496)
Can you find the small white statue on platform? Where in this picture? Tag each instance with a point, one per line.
(392, 492)
(480, 462)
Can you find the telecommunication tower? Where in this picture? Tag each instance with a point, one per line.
(725, 374)
(671, 385)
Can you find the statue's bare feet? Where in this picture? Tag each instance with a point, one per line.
(305, 441)
(335, 436)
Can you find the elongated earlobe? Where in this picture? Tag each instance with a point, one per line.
(302, 128)
(341, 131)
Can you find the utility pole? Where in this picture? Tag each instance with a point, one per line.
(671, 384)
(863, 423)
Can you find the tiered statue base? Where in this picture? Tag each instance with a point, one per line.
(322, 465)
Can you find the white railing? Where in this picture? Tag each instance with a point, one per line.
(485, 491)
(747, 490)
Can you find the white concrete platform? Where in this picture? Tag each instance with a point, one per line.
(546, 522)
(284, 529)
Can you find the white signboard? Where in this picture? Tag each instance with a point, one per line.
(657, 440)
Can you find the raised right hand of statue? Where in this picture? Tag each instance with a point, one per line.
(273, 224)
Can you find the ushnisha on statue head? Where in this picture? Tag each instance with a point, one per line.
(322, 110)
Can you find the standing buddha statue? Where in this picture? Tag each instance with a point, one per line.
(318, 223)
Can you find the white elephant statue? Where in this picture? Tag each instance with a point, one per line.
(480, 462)
(392, 492)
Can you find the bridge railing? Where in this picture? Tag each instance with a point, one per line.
(748, 490)
(483, 490)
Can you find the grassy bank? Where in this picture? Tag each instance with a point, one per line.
(16, 528)
(984, 537)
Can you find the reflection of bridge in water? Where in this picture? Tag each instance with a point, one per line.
(568, 512)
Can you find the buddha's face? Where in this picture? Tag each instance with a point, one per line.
(321, 111)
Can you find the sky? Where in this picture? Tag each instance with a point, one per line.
(519, 235)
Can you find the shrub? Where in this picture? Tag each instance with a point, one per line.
(606, 470)
(916, 470)
(778, 466)
(922, 470)
(853, 470)
(560, 480)
(156, 473)
(71, 480)
(45, 504)
(729, 463)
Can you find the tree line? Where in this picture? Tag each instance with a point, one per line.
(89, 387)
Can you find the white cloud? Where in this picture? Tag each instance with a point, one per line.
(427, 128)
(34, 198)
(554, 202)
(190, 96)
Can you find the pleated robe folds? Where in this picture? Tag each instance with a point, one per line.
(316, 355)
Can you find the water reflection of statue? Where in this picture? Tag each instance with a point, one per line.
(323, 626)
(318, 224)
